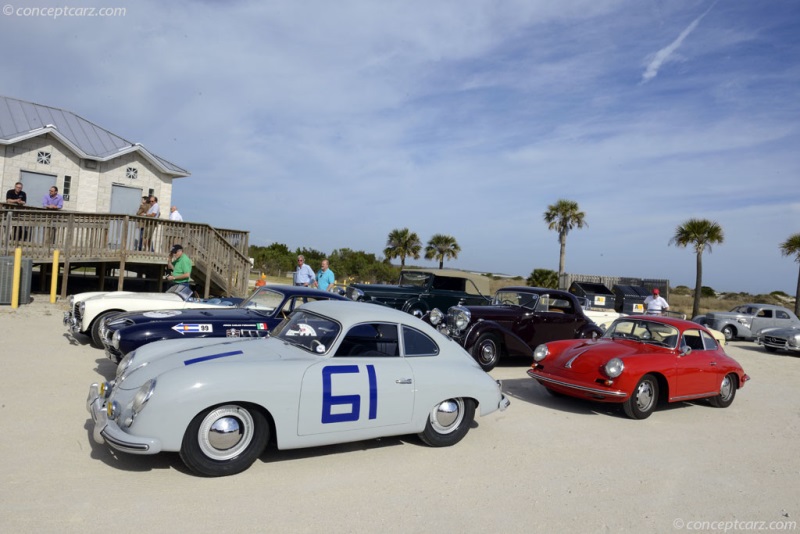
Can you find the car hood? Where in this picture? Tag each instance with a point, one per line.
(497, 313)
(386, 289)
(783, 331)
(187, 314)
(161, 357)
(585, 356)
(727, 315)
(130, 295)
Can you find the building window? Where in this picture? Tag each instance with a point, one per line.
(43, 157)
(67, 186)
(151, 192)
(131, 173)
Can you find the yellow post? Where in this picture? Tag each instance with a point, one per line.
(54, 278)
(15, 282)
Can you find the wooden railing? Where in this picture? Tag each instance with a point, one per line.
(219, 255)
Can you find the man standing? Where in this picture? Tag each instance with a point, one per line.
(155, 212)
(174, 214)
(325, 277)
(17, 195)
(304, 275)
(181, 266)
(53, 201)
(655, 304)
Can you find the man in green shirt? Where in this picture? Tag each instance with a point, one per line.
(181, 266)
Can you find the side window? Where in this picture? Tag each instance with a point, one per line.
(449, 284)
(764, 313)
(418, 344)
(692, 339)
(295, 302)
(370, 339)
(709, 341)
(780, 314)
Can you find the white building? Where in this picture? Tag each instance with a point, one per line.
(96, 170)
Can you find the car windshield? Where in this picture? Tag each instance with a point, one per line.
(182, 290)
(308, 331)
(515, 298)
(644, 331)
(414, 279)
(744, 309)
(264, 301)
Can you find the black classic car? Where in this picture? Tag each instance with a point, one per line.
(519, 319)
(420, 290)
(254, 317)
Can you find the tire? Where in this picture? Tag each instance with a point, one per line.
(643, 399)
(729, 332)
(448, 422)
(727, 392)
(97, 341)
(486, 351)
(224, 440)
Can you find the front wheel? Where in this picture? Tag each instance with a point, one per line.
(97, 339)
(486, 351)
(448, 422)
(729, 332)
(643, 400)
(727, 392)
(224, 440)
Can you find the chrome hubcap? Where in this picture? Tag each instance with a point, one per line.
(726, 389)
(488, 351)
(644, 396)
(446, 416)
(225, 432)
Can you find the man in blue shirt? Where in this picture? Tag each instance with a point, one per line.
(325, 277)
(53, 201)
(304, 275)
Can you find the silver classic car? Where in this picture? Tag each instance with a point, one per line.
(745, 320)
(775, 339)
(332, 372)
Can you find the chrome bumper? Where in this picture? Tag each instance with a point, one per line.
(71, 323)
(108, 431)
(586, 389)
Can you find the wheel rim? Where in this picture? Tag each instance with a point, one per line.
(645, 396)
(225, 432)
(447, 416)
(488, 351)
(728, 333)
(726, 389)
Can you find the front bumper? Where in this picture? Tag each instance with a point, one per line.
(71, 322)
(577, 389)
(108, 431)
(776, 343)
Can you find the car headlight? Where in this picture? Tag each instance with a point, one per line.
(82, 307)
(794, 341)
(614, 367)
(353, 293)
(461, 318)
(72, 302)
(436, 316)
(115, 339)
(143, 395)
(124, 364)
(540, 353)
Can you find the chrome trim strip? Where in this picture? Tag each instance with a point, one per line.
(698, 396)
(603, 392)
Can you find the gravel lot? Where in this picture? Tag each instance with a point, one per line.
(543, 465)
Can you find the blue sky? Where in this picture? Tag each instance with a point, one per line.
(327, 124)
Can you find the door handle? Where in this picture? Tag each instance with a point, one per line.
(403, 381)
(713, 364)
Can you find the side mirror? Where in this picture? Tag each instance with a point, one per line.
(685, 351)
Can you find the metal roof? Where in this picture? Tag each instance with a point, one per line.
(20, 120)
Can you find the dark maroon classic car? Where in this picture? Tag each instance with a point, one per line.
(519, 319)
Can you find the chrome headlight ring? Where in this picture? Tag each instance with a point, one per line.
(461, 318)
(436, 316)
(142, 396)
(540, 353)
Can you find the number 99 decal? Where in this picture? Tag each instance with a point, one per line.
(329, 400)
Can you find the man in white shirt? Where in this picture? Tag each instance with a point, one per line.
(304, 275)
(655, 304)
(174, 214)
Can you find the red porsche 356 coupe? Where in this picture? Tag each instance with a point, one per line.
(639, 361)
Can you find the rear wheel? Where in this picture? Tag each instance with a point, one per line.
(727, 392)
(643, 400)
(448, 422)
(487, 351)
(224, 440)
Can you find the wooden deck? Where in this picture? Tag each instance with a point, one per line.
(113, 243)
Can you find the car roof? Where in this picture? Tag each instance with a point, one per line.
(350, 313)
(480, 281)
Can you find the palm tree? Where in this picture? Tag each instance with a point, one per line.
(791, 247)
(562, 217)
(701, 234)
(442, 246)
(543, 278)
(402, 243)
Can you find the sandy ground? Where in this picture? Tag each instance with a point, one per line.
(543, 465)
